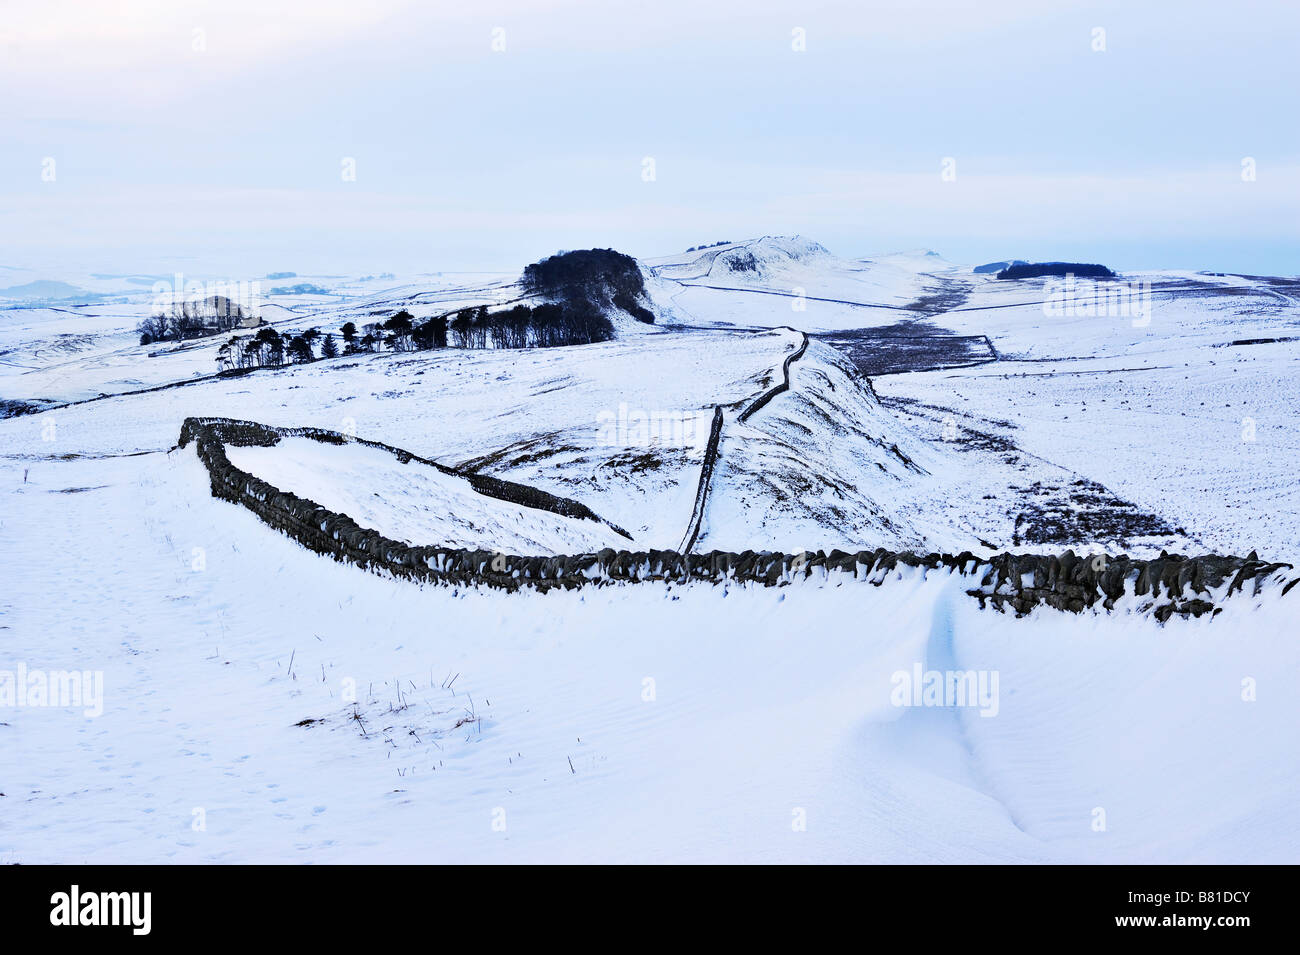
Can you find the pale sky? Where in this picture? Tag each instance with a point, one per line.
(213, 136)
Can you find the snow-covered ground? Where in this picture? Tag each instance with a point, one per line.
(264, 703)
(778, 280)
(1191, 415)
(417, 503)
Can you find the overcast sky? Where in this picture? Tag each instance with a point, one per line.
(214, 137)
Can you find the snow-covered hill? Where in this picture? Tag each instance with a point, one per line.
(308, 710)
(792, 280)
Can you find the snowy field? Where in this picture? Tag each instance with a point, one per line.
(1191, 415)
(263, 703)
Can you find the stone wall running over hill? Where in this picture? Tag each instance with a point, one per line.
(782, 385)
(1165, 586)
(245, 433)
(706, 475)
(715, 437)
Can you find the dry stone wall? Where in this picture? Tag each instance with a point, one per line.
(240, 433)
(1169, 585)
(715, 437)
(783, 385)
(706, 476)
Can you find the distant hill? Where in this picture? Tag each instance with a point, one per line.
(759, 257)
(302, 288)
(45, 290)
(1039, 269)
(998, 266)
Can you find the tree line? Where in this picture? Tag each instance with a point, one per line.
(1028, 270)
(578, 288)
(591, 279)
(544, 326)
(182, 321)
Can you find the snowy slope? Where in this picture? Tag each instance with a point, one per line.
(541, 417)
(500, 727)
(791, 280)
(822, 466)
(264, 703)
(1191, 414)
(413, 502)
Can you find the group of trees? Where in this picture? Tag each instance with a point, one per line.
(271, 349)
(545, 326)
(590, 280)
(191, 319)
(1027, 270)
(578, 289)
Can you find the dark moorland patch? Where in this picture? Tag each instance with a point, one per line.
(1083, 510)
(908, 346)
